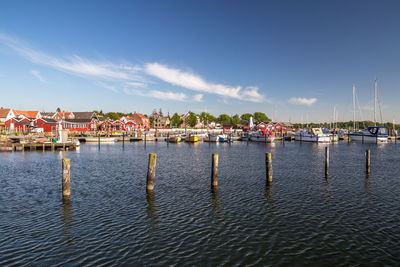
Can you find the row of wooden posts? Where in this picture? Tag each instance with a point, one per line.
(151, 170)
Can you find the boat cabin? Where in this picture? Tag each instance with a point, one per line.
(376, 130)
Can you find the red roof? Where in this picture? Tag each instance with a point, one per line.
(27, 114)
(4, 112)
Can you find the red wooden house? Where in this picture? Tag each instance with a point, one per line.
(48, 125)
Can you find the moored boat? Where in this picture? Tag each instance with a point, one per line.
(101, 140)
(192, 139)
(212, 138)
(262, 136)
(314, 135)
(373, 134)
(174, 139)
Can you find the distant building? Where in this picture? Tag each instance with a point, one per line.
(162, 122)
(142, 121)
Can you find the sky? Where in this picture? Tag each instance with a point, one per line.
(293, 60)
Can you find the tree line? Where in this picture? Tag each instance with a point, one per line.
(191, 120)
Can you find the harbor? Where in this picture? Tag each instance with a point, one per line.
(183, 221)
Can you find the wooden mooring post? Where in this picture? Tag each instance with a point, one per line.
(268, 168)
(66, 177)
(151, 171)
(214, 172)
(326, 161)
(98, 140)
(368, 161)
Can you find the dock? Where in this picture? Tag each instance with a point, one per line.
(18, 147)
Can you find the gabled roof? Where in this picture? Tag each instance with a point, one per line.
(139, 117)
(27, 114)
(4, 112)
(48, 114)
(84, 115)
(78, 120)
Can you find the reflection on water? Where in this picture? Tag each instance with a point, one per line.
(215, 202)
(67, 218)
(152, 210)
(300, 219)
(269, 193)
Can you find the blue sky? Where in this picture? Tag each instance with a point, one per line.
(299, 58)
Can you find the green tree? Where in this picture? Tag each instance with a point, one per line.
(113, 116)
(160, 112)
(261, 117)
(224, 118)
(235, 119)
(191, 120)
(206, 118)
(176, 120)
(246, 116)
(58, 109)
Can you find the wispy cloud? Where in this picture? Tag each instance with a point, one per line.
(107, 86)
(157, 94)
(38, 76)
(75, 64)
(134, 78)
(198, 98)
(137, 84)
(194, 82)
(302, 101)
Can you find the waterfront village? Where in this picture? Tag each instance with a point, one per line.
(14, 121)
(27, 130)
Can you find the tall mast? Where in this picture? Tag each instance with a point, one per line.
(375, 93)
(354, 107)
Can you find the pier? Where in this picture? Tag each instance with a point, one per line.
(18, 147)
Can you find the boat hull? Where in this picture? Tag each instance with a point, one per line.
(312, 138)
(261, 139)
(106, 140)
(368, 138)
(192, 139)
(175, 139)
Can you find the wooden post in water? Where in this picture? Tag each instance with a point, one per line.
(214, 173)
(98, 140)
(268, 167)
(151, 171)
(123, 139)
(66, 177)
(368, 161)
(326, 161)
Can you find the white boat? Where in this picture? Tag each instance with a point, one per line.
(107, 140)
(373, 134)
(212, 138)
(263, 137)
(314, 135)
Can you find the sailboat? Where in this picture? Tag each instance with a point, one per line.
(375, 134)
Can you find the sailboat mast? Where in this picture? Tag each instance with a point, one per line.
(375, 93)
(354, 107)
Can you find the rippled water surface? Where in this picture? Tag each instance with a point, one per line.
(302, 219)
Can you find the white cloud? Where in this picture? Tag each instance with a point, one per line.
(38, 76)
(193, 82)
(137, 84)
(157, 94)
(107, 86)
(302, 101)
(75, 65)
(110, 75)
(198, 98)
